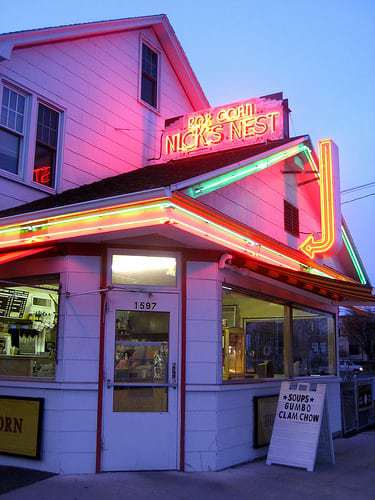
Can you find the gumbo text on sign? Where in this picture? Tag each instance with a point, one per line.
(298, 407)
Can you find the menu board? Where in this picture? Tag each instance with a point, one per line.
(301, 432)
(12, 303)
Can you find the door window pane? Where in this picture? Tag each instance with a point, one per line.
(313, 343)
(143, 270)
(253, 342)
(141, 347)
(140, 399)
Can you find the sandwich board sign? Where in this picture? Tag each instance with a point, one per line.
(301, 434)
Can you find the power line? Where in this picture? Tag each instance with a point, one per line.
(357, 188)
(359, 198)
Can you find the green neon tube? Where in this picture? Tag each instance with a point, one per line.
(30, 226)
(225, 179)
(353, 256)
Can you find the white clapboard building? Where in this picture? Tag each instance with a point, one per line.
(164, 264)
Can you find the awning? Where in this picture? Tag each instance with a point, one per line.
(7, 257)
(342, 292)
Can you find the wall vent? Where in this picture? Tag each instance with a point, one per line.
(291, 219)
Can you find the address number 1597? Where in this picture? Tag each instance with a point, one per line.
(145, 306)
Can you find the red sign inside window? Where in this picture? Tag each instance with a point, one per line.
(42, 175)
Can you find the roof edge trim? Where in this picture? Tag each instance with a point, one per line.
(223, 170)
(148, 194)
(160, 23)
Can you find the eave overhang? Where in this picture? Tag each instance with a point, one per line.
(174, 209)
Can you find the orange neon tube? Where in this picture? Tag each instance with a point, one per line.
(310, 245)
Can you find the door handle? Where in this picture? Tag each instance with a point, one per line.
(109, 383)
(174, 375)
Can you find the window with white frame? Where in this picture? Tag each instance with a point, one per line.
(29, 153)
(264, 338)
(149, 76)
(46, 146)
(12, 123)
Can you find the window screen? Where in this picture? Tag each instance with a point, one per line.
(46, 146)
(11, 129)
(149, 80)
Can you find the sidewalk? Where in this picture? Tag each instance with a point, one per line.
(353, 477)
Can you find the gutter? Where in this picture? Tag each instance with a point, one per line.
(233, 166)
(83, 206)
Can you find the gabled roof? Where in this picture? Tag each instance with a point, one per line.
(160, 24)
(150, 177)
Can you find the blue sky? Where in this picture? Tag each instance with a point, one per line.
(321, 54)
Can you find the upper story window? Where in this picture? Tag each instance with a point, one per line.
(291, 219)
(29, 138)
(149, 76)
(12, 120)
(46, 146)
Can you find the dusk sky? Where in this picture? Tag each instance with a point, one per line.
(321, 54)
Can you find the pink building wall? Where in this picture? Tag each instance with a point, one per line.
(258, 201)
(95, 82)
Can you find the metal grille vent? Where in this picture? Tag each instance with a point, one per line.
(291, 219)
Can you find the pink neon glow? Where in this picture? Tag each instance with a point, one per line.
(245, 122)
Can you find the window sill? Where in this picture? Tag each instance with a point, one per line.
(20, 180)
(40, 187)
(149, 107)
(44, 383)
(256, 384)
(309, 378)
(11, 176)
(28, 380)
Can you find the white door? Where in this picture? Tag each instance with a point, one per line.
(140, 404)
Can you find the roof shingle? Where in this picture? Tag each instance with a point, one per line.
(149, 177)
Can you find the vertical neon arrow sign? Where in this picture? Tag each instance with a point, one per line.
(329, 202)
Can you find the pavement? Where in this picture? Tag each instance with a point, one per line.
(13, 477)
(352, 477)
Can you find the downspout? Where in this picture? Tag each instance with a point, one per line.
(222, 262)
(99, 421)
(183, 363)
(226, 257)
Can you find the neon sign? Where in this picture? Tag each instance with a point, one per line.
(178, 211)
(329, 202)
(42, 175)
(242, 123)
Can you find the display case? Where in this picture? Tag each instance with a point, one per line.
(233, 343)
(28, 327)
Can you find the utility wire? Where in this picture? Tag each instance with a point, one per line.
(359, 198)
(357, 188)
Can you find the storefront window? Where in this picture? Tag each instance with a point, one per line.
(313, 343)
(263, 339)
(252, 337)
(28, 325)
